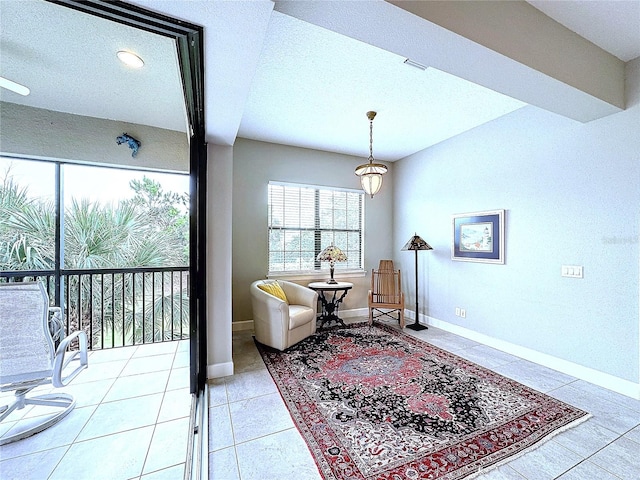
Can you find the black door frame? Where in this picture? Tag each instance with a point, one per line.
(189, 40)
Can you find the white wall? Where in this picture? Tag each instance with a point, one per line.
(254, 165)
(219, 247)
(572, 196)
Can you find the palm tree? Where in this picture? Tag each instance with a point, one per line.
(100, 236)
(119, 308)
(27, 229)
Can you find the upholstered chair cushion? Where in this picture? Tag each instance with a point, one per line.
(274, 289)
(277, 323)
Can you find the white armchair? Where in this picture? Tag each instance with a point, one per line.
(281, 324)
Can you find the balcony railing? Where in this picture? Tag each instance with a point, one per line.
(119, 307)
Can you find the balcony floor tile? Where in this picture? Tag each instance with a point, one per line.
(114, 456)
(138, 385)
(153, 363)
(120, 421)
(165, 448)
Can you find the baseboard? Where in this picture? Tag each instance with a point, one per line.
(605, 380)
(241, 326)
(218, 370)
(355, 312)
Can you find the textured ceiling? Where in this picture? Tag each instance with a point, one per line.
(75, 69)
(324, 83)
(269, 75)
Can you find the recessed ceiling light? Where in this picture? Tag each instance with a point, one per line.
(130, 59)
(14, 87)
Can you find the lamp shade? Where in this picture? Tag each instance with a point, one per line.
(417, 243)
(371, 173)
(331, 254)
(371, 179)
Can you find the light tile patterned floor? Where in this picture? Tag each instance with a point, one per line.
(252, 436)
(131, 421)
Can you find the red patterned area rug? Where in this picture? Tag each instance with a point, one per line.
(375, 403)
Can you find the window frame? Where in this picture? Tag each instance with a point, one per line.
(320, 268)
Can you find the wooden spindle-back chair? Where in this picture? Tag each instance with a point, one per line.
(385, 295)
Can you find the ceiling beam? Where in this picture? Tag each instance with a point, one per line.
(509, 47)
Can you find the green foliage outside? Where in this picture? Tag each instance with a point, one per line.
(149, 230)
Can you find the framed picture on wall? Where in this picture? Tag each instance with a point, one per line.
(478, 237)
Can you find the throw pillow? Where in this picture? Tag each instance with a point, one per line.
(274, 289)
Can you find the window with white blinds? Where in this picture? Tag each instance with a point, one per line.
(304, 219)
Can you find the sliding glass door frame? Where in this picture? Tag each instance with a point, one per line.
(189, 45)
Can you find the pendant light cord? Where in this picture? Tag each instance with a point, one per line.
(371, 141)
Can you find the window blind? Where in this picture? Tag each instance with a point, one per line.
(304, 219)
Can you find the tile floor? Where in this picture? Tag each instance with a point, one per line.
(131, 421)
(252, 436)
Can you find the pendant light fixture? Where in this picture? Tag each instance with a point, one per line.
(371, 173)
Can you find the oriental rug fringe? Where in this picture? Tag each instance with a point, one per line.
(375, 403)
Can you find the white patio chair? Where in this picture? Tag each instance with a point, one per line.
(28, 357)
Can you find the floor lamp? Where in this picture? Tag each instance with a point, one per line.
(417, 243)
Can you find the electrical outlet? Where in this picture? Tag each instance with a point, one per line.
(457, 311)
(463, 313)
(572, 271)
